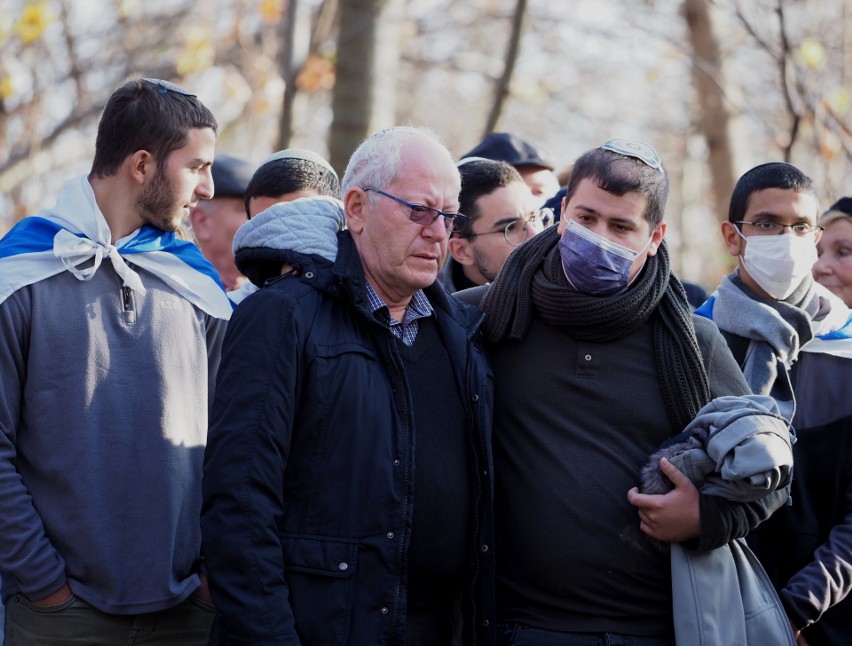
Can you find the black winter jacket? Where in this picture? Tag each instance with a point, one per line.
(308, 473)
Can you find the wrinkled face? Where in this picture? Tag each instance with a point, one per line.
(484, 253)
(618, 218)
(179, 182)
(834, 267)
(542, 181)
(398, 255)
(214, 224)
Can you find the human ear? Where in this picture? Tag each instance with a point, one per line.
(657, 238)
(733, 240)
(460, 250)
(354, 207)
(141, 166)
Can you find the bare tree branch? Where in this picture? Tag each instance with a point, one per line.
(295, 45)
(746, 23)
(785, 71)
(328, 16)
(502, 90)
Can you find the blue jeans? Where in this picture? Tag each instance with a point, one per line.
(75, 623)
(520, 635)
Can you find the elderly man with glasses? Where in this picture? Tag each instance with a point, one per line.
(498, 204)
(592, 309)
(791, 337)
(347, 481)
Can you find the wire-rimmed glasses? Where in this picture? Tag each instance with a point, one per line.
(515, 232)
(770, 228)
(425, 215)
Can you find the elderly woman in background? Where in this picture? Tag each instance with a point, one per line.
(834, 267)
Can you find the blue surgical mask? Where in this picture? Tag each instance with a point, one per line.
(593, 264)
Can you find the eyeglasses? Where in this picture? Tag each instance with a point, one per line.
(164, 87)
(546, 216)
(635, 149)
(426, 215)
(515, 232)
(770, 228)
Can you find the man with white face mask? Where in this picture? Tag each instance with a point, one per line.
(791, 337)
(592, 309)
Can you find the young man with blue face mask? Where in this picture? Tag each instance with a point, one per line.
(791, 337)
(592, 309)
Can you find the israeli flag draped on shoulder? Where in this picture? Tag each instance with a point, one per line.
(75, 232)
(837, 342)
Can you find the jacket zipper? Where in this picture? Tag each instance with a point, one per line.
(127, 299)
(476, 502)
(405, 481)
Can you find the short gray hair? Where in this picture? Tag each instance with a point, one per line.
(377, 159)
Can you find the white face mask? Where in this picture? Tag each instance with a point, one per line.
(779, 264)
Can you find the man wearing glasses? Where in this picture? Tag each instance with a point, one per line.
(592, 309)
(791, 337)
(498, 204)
(347, 492)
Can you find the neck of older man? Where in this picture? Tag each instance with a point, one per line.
(395, 307)
(395, 300)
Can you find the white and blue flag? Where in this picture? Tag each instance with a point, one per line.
(75, 232)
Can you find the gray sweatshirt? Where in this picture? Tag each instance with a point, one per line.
(103, 410)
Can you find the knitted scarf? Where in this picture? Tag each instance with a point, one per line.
(532, 280)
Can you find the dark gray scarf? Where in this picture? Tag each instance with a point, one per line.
(532, 280)
(776, 331)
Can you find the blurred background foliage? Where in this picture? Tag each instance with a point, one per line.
(717, 86)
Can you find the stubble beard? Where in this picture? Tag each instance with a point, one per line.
(158, 203)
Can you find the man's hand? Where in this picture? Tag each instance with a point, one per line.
(800, 638)
(62, 594)
(673, 516)
(203, 591)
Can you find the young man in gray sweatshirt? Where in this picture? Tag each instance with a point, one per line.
(110, 335)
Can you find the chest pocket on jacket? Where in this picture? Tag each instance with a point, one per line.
(346, 368)
(320, 574)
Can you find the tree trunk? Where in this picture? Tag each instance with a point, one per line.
(508, 68)
(708, 78)
(364, 98)
(295, 43)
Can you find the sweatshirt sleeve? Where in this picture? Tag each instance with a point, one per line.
(723, 520)
(826, 580)
(247, 451)
(723, 372)
(28, 559)
(823, 582)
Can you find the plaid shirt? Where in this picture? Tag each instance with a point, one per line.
(405, 330)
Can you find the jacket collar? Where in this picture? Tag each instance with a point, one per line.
(348, 276)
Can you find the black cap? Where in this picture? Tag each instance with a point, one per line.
(504, 146)
(844, 204)
(555, 203)
(231, 175)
